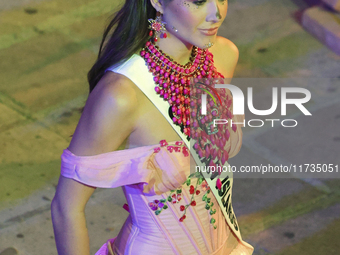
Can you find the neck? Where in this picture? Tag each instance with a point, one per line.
(175, 49)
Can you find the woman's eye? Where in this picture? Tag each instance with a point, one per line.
(200, 2)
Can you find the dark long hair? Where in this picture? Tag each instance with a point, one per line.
(129, 32)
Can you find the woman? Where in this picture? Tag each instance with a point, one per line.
(123, 106)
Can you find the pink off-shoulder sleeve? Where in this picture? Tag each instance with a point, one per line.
(159, 168)
(108, 170)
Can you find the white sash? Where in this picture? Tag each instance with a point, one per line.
(137, 71)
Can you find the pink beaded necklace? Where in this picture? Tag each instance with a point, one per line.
(173, 79)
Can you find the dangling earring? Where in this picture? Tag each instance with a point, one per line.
(157, 25)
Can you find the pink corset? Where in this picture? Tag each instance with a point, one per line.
(148, 174)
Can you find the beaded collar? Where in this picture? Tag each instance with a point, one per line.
(173, 79)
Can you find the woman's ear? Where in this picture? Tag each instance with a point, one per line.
(158, 5)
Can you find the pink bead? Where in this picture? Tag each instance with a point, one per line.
(160, 82)
(161, 58)
(178, 69)
(188, 122)
(166, 96)
(174, 108)
(205, 67)
(174, 119)
(158, 68)
(186, 101)
(157, 89)
(165, 85)
(187, 71)
(178, 101)
(187, 111)
(149, 60)
(206, 62)
(172, 77)
(147, 55)
(173, 98)
(158, 54)
(179, 111)
(203, 72)
(166, 75)
(142, 53)
(155, 79)
(148, 43)
(182, 70)
(179, 121)
(197, 61)
(177, 90)
(172, 89)
(151, 47)
(162, 92)
(166, 61)
(154, 51)
(183, 81)
(186, 92)
(161, 71)
(153, 64)
(176, 80)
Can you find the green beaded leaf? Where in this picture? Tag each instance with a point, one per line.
(200, 180)
(208, 199)
(211, 204)
(169, 199)
(211, 212)
(208, 191)
(188, 182)
(163, 200)
(207, 207)
(215, 226)
(172, 190)
(212, 220)
(179, 191)
(165, 207)
(157, 212)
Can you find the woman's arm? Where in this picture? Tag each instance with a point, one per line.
(108, 118)
(68, 217)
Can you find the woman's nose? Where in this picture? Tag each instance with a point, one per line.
(214, 14)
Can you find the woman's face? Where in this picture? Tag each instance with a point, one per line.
(196, 21)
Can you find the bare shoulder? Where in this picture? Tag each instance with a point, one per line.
(108, 118)
(226, 56)
(115, 89)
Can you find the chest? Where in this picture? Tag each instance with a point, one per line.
(151, 126)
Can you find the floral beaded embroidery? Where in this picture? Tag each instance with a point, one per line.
(171, 148)
(175, 196)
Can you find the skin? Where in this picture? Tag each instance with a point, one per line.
(189, 18)
(134, 120)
